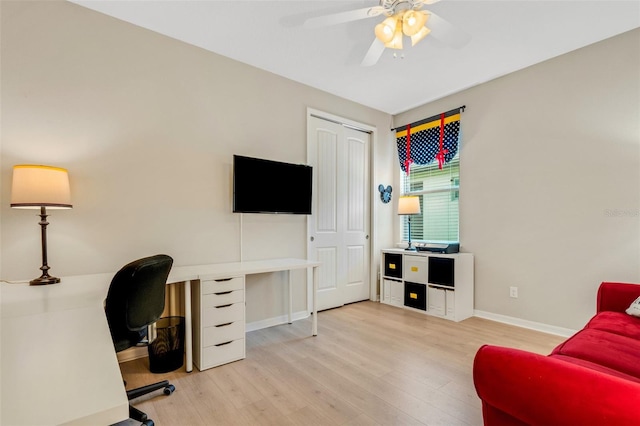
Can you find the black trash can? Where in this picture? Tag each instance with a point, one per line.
(166, 352)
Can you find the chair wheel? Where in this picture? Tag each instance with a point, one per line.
(148, 423)
(169, 390)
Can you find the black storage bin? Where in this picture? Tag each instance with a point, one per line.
(415, 295)
(166, 352)
(442, 271)
(393, 265)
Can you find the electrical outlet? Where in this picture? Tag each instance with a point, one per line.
(513, 292)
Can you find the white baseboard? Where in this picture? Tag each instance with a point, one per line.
(532, 325)
(132, 353)
(270, 322)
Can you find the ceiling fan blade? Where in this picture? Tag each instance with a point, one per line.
(443, 30)
(373, 54)
(423, 2)
(342, 17)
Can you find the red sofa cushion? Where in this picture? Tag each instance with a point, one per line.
(609, 350)
(616, 323)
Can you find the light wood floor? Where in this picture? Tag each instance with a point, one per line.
(371, 364)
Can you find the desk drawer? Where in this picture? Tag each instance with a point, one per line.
(222, 315)
(222, 298)
(223, 353)
(221, 285)
(222, 333)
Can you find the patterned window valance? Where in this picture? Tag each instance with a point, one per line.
(434, 138)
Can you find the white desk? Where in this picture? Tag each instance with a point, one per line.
(58, 364)
(187, 274)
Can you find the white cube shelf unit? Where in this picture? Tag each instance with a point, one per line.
(433, 283)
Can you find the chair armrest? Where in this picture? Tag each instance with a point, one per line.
(541, 390)
(616, 296)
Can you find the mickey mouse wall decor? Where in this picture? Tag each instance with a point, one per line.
(385, 193)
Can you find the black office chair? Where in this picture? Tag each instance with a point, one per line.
(136, 300)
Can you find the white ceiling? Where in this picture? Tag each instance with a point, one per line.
(506, 36)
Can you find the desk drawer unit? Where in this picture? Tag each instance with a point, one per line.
(218, 322)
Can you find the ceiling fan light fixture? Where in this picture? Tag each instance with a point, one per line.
(396, 41)
(413, 21)
(424, 31)
(386, 30)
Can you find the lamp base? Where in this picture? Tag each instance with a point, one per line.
(44, 280)
(410, 249)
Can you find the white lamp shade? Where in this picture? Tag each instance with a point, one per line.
(36, 186)
(408, 205)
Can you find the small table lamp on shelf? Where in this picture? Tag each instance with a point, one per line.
(409, 205)
(39, 187)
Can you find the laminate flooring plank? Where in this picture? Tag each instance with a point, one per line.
(397, 396)
(358, 396)
(210, 401)
(310, 416)
(237, 390)
(272, 387)
(362, 420)
(264, 412)
(318, 395)
(455, 405)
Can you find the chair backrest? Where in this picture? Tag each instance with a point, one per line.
(136, 295)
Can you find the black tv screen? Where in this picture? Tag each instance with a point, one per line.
(266, 186)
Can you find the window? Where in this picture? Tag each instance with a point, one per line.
(438, 192)
(430, 149)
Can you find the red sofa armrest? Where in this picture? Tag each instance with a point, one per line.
(616, 296)
(518, 387)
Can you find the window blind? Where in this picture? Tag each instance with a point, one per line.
(438, 190)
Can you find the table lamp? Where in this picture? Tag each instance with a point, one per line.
(409, 205)
(41, 187)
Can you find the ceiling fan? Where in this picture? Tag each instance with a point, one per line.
(403, 18)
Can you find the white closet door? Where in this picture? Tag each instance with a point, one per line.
(338, 227)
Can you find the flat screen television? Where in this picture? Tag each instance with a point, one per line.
(266, 186)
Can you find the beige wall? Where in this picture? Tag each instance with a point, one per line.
(550, 181)
(147, 127)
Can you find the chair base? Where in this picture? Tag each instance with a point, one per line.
(138, 415)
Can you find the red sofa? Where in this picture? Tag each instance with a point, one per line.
(593, 378)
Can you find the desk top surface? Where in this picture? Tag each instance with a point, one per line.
(222, 270)
(79, 291)
(57, 359)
